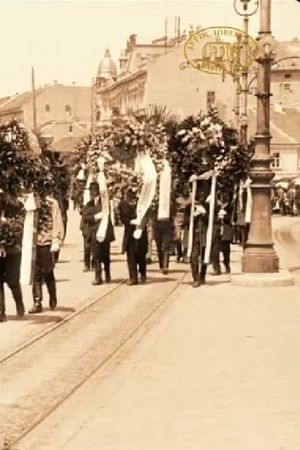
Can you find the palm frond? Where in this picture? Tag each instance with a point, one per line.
(157, 114)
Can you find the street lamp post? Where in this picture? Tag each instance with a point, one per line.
(259, 255)
(245, 13)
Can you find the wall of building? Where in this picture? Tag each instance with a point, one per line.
(289, 159)
(58, 97)
(185, 91)
(286, 90)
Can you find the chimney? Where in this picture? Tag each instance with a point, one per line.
(132, 40)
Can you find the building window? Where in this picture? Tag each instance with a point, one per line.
(287, 75)
(47, 108)
(70, 128)
(287, 86)
(276, 160)
(210, 98)
(68, 109)
(98, 116)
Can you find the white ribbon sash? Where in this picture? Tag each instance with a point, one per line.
(102, 229)
(86, 194)
(164, 192)
(210, 218)
(28, 243)
(248, 212)
(145, 165)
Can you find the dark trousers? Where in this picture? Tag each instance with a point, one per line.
(101, 256)
(136, 260)
(198, 270)
(163, 240)
(43, 272)
(10, 274)
(87, 253)
(224, 248)
(179, 251)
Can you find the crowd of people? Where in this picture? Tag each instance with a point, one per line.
(182, 186)
(286, 200)
(170, 235)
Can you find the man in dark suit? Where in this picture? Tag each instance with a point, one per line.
(136, 249)
(225, 209)
(92, 215)
(200, 217)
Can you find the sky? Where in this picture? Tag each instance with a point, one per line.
(65, 40)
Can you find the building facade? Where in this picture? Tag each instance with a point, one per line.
(152, 74)
(61, 111)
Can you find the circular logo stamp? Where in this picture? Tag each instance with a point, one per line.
(220, 50)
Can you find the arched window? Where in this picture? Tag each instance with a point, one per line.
(47, 108)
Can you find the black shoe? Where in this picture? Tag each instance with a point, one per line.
(148, 261)
(107, 278)
(227, 268)
(164, 271)
(96, 282)
(2, 317)
(52, 303)
(20, 311)
(86, 269)
(36, 309)
(216, 272)
(196, 283)
(132, 282)
(143, 279)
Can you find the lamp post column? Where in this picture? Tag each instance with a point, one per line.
(259, 255)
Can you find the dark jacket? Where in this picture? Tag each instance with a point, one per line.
(201, 224)
(127, 213)
(226, 225)
(14, 216)
(89, 225)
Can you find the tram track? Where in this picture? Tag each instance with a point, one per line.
(52, 327)
(21, 414)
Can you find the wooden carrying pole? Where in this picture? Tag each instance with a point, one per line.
(210, 218)
(191, 227)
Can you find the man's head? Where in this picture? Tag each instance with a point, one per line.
(94, 190)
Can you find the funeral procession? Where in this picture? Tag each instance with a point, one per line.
(150, 225)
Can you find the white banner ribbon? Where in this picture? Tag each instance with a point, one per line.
(145, 165)
(164, 192)
(102, 229)
(28, 241)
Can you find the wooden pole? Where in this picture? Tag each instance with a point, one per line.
(33, 100)
(211, 218)
(191, 226)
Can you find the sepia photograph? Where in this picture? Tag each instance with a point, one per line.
(150, 225)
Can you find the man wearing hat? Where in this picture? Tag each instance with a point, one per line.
(200, 217)
(136, 247)
(93, 216)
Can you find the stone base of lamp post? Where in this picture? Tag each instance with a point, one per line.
(259, 255)
(260, 260)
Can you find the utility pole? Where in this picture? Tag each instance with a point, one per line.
(259, 255)
(93, 109)
(33, 100)
(245, 13)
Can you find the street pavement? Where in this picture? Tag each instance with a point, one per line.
(75, 290)
(217, 369)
